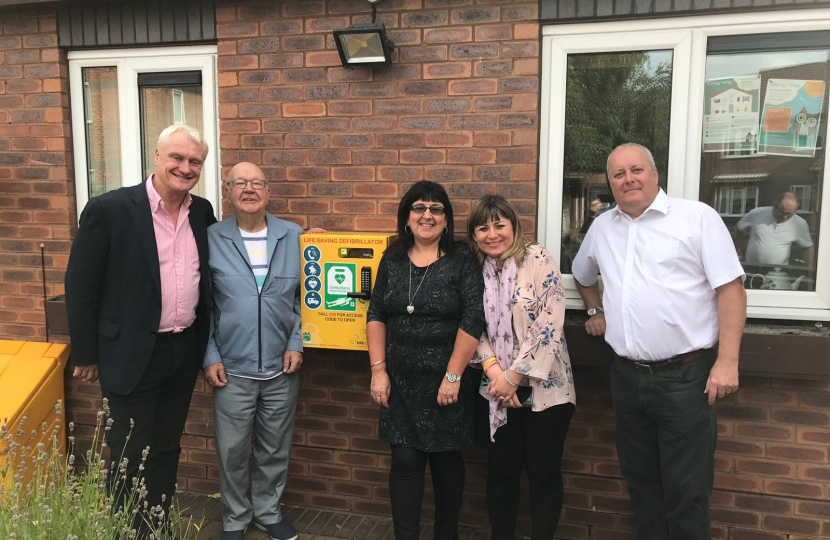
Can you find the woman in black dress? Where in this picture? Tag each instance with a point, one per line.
(424, 323)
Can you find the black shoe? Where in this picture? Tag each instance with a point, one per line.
(233, 535)
(278, 531)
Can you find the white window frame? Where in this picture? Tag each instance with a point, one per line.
(87, 104)
(720, 191)
(129, 63)
(805, 203)
(178, 106)
(687, 37)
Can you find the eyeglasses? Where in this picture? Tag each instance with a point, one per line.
(435, 210)
(239, 183)
(781, 215)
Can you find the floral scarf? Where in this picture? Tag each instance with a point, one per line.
(498, 297)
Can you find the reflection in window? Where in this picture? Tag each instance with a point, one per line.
(87, 103)
(805, 195)
(611, 99)
(769, 108)
(103, 132)
(158, 111)
(178, 107)
(735, 201)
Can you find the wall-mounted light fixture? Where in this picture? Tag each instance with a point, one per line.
(364, 45)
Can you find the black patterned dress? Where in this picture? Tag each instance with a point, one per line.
(419, 346)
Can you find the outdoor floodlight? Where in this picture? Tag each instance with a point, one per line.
(364, 45)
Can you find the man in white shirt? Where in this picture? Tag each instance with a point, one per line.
(675, 308)
(772, 231)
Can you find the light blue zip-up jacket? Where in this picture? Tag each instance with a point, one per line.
(250, 330)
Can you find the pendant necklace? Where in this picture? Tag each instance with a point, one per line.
(410, 308)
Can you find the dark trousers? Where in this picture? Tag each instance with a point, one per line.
(534, 440)
(153, 415)
(666, 437)
(406, 491)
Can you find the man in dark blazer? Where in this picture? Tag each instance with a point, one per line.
(137, 296)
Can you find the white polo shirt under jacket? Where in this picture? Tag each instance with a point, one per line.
(659, 274)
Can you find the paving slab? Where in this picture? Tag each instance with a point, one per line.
(311, 524)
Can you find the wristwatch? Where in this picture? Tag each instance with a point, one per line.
(594, 310)
(452, 377)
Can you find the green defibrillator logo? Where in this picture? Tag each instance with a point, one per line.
(340, 281)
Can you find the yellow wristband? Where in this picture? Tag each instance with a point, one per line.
(489, 362)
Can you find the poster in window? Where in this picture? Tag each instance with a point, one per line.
(730, 113)
(791, 117)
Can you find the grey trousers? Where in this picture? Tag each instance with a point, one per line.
(266, 408)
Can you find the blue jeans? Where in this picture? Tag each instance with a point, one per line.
(666, 437)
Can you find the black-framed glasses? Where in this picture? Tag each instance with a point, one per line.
(240, 183)
(434, 209)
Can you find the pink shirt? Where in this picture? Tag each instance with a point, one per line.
(178, 263)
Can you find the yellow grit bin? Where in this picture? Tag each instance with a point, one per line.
(31, 385)
(338, 274)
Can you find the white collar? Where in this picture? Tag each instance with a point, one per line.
(659, 204)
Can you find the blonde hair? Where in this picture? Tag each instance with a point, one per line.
(495, 208)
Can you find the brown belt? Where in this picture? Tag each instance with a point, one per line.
(659, 366)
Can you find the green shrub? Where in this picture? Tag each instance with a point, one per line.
(45, 495)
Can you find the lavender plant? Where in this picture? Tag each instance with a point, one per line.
(45, 495)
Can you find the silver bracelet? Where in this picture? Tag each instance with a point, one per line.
(379, 362)
(509, 380)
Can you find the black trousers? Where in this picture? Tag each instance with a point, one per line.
(666, 437)
(406, 491)
(534, 440)
(153, 415)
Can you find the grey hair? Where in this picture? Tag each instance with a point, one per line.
(191, 132)
(631, 145)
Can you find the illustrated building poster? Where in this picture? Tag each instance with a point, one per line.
(791, 117)
(730, 113)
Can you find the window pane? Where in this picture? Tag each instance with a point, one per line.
(751, 198)
(764, 129)
(178, 107)
(103, 132)
(612, 98)
(162, 106)
(737, 202)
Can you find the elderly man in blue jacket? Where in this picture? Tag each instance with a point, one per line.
(253, 353)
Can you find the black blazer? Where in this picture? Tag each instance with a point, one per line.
(113, 285)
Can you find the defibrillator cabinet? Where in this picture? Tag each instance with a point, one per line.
(338, 274)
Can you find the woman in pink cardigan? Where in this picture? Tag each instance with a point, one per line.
(527, 371)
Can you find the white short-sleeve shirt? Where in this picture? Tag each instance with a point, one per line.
(659, 274)
(770, 241)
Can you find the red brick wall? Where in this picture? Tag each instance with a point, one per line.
(341, 146)
(36, 186)
(458, 106)
(772, 472)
